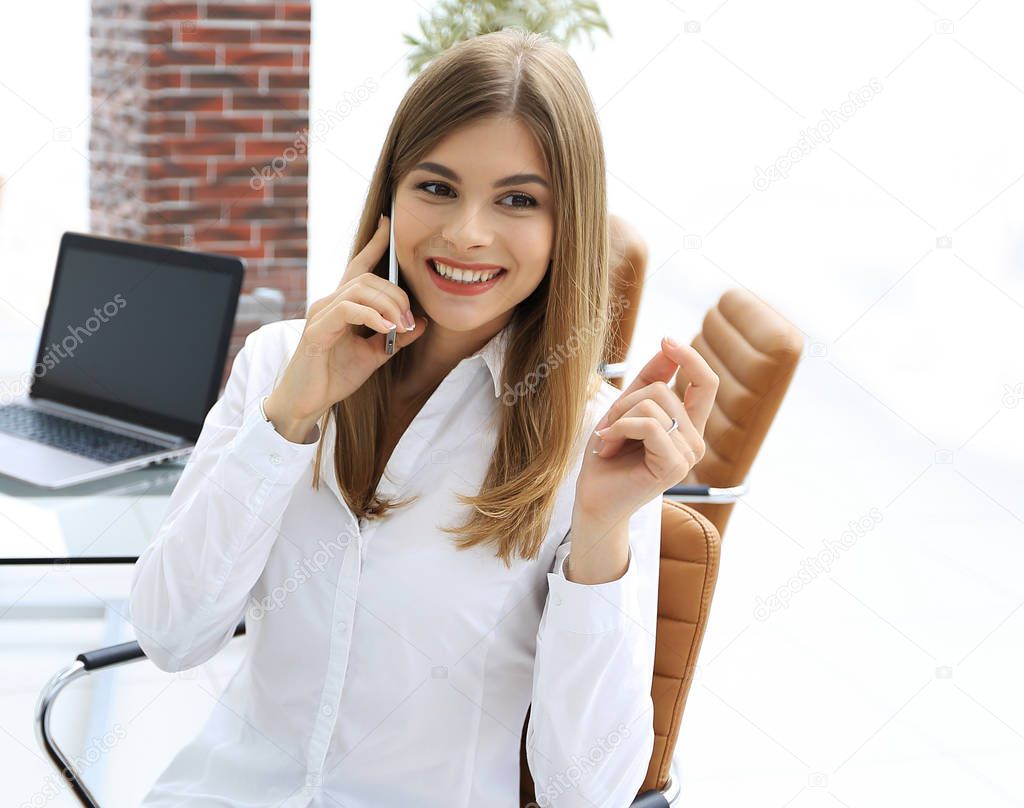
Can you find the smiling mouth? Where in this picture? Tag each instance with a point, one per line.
(462, 275)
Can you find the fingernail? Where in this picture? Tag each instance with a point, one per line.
(600, 432)
(671, 342)
(600, 446)
(410, 321)
(388, 323)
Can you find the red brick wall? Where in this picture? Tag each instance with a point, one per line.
(200, 113)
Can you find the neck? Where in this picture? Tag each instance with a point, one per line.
(439, 350)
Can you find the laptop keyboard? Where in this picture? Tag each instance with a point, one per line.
(71, 436)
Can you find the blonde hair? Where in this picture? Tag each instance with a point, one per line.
(525, 76)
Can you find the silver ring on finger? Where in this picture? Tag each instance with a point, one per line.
(674, 427)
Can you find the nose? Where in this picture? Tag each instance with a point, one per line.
(468, 229)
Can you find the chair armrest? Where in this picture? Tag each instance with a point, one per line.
(123, 652)
(612, 370)
(110, 656)
(84, 664)
(705, 493)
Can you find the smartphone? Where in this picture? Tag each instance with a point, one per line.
(389, 338)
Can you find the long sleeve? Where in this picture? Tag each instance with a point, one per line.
(190, 585)
(591, 728)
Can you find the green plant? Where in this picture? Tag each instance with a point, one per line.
(453, 21)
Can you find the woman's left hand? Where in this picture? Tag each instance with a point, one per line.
(636, 459)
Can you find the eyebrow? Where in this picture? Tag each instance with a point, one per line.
(515, 179)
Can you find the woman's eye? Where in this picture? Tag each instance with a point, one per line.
(425, 184)
(529, 201)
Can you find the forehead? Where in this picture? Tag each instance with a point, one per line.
(489, 148)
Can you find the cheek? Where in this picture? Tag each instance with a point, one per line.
(411, 236)
(534, 240)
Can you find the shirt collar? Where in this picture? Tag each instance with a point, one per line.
(493, 354)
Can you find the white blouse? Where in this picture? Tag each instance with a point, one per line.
(383, 667)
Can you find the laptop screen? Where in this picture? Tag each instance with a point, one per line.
(137, 332)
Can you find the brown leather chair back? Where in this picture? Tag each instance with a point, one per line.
(690, 551)
(755, 351)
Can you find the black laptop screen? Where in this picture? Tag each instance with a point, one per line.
(138, 332)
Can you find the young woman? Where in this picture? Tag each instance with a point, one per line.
(474, 549)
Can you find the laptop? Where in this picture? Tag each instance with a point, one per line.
(130, 361)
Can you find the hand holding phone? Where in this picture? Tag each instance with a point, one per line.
(333, 359)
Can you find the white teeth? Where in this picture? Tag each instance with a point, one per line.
(463, 275)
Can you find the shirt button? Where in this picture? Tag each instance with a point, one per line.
(557, 599)
(275, 459)
(313, 779)
(327, 710)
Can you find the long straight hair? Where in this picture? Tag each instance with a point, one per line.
(523, 76)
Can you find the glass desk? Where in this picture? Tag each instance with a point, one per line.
(101, 522)
(104, 522)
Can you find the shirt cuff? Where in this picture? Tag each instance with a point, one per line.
(593, 608)
(266, 451)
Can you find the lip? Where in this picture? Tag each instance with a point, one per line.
(462, 264)
(462, 289)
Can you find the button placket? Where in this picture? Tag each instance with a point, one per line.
(346, 588)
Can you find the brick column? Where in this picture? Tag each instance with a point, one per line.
(200, 113)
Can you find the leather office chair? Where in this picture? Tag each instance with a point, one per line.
(690, 542)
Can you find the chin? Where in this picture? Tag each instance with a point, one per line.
(456, 323)
(461, 321)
